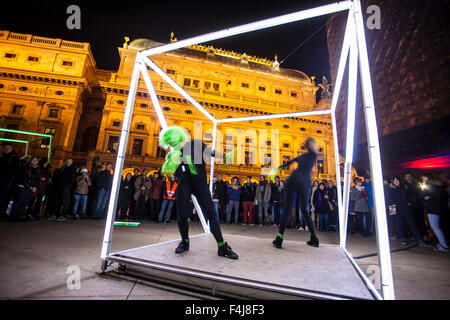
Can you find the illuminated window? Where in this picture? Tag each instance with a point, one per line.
(23, 88)
(116, 124)
(195, 83)
(268, 124)
(10, 55)
(187, 82)
(216, 86)
(33, 59)
(262, 88)
(53, 113)
(67, 63)
(319, 131)
(285, 145)
(113, 144)
(278, 91)
(229, 138)
(207, 85)
(45, 144)
(286, 126)
(120, 102)
(320, 166)
(17, 109)
(137, 147)
(170, 71)
(245, 85)
(59, 93)
(188, 112)
(302, 129)
(294, 94)
(166, 109)
(140, 126)
(143, 105)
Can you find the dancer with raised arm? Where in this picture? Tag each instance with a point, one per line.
(186, 161)
(298, 183)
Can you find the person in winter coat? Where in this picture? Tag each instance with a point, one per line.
(9, 164)
(154, 196)
(104, 184)
(262, 199)
(322, 207)
(314, 187)
(27, 182)
(220, 193)
(66, 180)
(275, 198)
(234, 195)
(360, 206)
(415, 204)
(125, 194)
(248, 198)
(333, 203)
(397, 198)
(431, 197)
(80, 194)
(142, 185)
(41, 194)
(169, 191)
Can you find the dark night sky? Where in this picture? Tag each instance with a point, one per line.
(105, 23)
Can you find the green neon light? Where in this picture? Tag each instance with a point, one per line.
(126, 223)
(41, 135)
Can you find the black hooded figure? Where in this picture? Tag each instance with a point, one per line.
(299, 183)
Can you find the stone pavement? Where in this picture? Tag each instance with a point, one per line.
(36, 255)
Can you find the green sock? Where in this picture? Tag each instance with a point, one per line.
(186, 240)
(280, 235)
(219, 244)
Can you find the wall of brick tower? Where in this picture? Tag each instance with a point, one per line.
(409, 61)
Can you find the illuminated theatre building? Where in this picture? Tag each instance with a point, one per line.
(54, 86)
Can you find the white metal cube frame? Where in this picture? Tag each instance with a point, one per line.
(354, 49)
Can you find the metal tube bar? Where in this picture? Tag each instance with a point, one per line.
(275, 116)
(120, 158)
(262, 24)
(351, 115)
(177, 87)
(153, 96)
(387, 281)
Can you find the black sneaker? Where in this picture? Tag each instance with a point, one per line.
(182, 247)
(277, 242)
(225, 251)
(313, 242)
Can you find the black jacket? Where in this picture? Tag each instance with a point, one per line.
(220, 190)
(320, 203)
(276, 194)
(9, 165)
(104, 180)
(67, 176)
(305, 163)
(397, 197)
(28, 177)
(432, 205)
(248, 192)
(126, 189)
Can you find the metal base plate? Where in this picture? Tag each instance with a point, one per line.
(262, 271)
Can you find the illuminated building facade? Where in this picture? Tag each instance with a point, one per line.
(53, 86)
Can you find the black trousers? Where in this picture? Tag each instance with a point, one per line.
(197, 186)
(300, 186)
(155, 205)
(21, 199)
(65, 201)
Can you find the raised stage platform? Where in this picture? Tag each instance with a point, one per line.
(262, 271)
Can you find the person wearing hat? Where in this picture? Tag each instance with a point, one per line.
(80, 195)
(186, 160)
(298, 183)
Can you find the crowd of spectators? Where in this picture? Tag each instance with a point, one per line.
(30, 190)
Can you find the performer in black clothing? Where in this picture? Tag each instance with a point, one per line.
(186, 160)
(299, 182)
